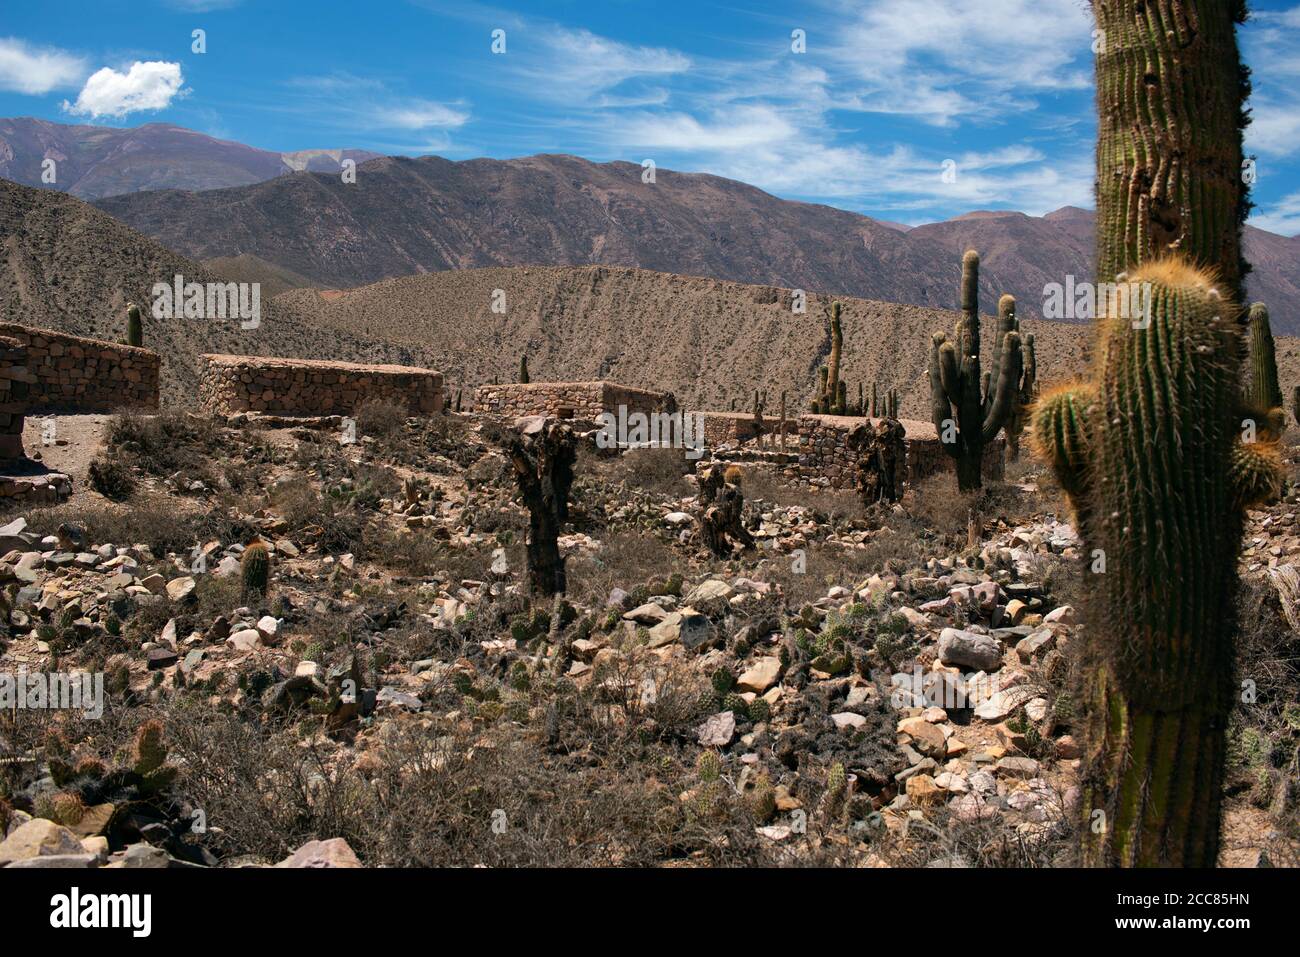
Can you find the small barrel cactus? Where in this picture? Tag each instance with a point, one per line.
(134, 325)
(255, 569)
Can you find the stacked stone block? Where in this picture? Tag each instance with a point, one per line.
(582, 401)
(75, 375)
(308, 387)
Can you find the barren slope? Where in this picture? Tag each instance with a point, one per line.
(66, 265)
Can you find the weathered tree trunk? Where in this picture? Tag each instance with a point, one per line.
(882, 458)
(542, 455)
(722, 525)
(710, 481)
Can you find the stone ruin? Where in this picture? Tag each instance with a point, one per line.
(582, 402)
(305, 388)
(43, 372)
(819, 451)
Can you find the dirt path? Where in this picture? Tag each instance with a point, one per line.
(76, 439)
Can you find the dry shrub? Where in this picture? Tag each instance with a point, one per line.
(165, 444)
(1264, 734)
(379, 418)
(153, 520)
(659, 471)
(332, 524)
(111, 478)
(627, 558)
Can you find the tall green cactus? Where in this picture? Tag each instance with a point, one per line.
(134, 326)
(966, 416)
(1170, 97)
(835, 389)
(1025, 389)
(1264, 391)
(1149, 451)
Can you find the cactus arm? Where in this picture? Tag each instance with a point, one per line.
(1004, 392)
(1264, 389)
(942, 361)
(1060, 436)
(1256, 473)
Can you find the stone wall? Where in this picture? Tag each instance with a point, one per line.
(582, 401)
(729, 428)
(14, 385)
(825, 457)
(310, 387)
(76, 375)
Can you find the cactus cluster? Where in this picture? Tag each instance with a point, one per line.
(1025, 390)
(884, 403)
(968, 407)
(1150, 452)
(142, 773)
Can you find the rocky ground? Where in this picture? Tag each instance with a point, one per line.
(876, 687)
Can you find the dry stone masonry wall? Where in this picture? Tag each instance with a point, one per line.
(826, 459)
(307, 387)
(76, 375)
(583, 401)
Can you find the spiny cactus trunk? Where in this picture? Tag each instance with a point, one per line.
(1265, 393)
(1159, 490)
(134, 326)
(1170, 94)
(833, 401)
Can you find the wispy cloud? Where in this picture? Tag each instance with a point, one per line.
(1271, 44)
(357, 103)
(961, 59)
(145, 85)
(34, 70)
(1281, 217)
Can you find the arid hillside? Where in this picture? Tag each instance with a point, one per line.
(408, 216)
(65, 265)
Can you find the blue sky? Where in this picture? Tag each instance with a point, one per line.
(886, 97)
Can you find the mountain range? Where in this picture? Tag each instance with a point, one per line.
(94, 161)
(407, 216)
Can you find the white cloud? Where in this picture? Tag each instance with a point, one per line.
(578, 66)
(941, 62)
(364, 103)
(146, 85)
(1271, 46)
(420, 115)
(1282, 217)
(742, 127)
(35, 70)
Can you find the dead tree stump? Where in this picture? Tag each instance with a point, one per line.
(722, 525)
(542, 454)
(882, 460)
(710, 482)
